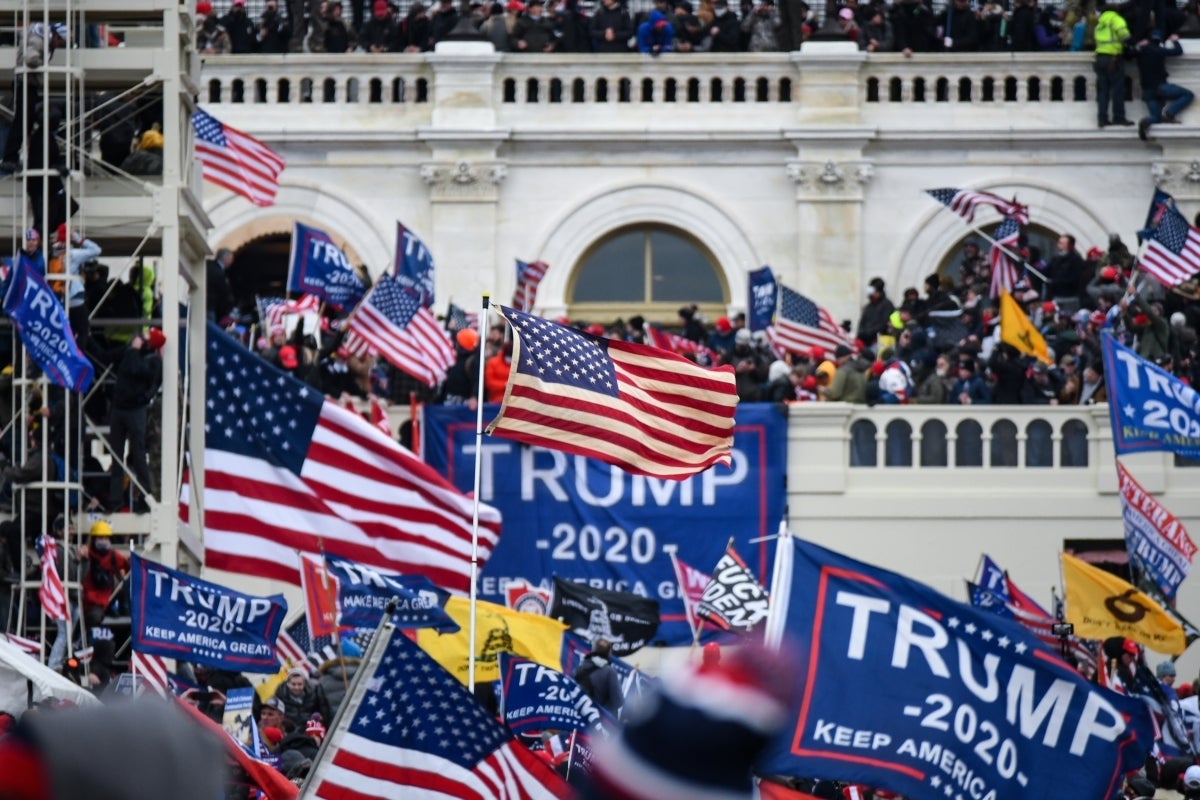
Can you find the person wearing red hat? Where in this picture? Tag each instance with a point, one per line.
(211, 37)
(1145, 319)
(379, 33)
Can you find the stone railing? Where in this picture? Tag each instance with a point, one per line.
(837, 447)
(679, 79)
(830, 84)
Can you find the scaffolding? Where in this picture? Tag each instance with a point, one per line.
(79, 77)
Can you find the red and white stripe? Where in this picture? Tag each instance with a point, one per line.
(154, 672)
(30, 646)
(362, 768)
(357, 346)
(51, 594)
(359, 495)
(422, 348)
(291, 653)
(244, 166)
(665, 340)
(307, 304)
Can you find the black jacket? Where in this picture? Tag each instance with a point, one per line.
(139, 373)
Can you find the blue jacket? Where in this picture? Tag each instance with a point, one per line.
(655, 35)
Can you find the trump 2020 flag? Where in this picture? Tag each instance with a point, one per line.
(537, 698)
(645, 410)
(1150, 408)
(908, 690)
(364, 593)
(318, 267)
(409, 729)
(1156, 540)
(288, 471)
(414, 264)
(177, 615)
(41, 321)
(764, 296)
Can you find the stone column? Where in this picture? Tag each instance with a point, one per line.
(463, 173)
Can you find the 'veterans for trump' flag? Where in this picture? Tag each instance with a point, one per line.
(393, 321)
(408, 729)
(236, 160)
(908, 690)
(645, 410)
(964, 202)
(1157, 541)
(288, 470)
(1100, 605)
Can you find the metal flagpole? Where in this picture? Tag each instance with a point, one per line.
(979, 231)
(781, 573)
(483, 317)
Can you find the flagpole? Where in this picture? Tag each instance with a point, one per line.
(979, 231)
(687, 609)
(475, 505)
(783, 547)
(377, 644)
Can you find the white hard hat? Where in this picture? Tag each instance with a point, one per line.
(1191, 778)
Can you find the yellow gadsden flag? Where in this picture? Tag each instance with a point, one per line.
(1100, 605)
(497, 629)
(1018, 331)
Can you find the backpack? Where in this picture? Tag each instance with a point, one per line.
(583, 676)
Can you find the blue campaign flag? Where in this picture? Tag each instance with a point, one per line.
(42, 323)
(908, 690)
(414, 263)
(760, 306)
(992, 578)
(320, 268)
(177, 615)
(585, 521)
(537, 698)
(988, 600)
(364, 592)
(1150, 408)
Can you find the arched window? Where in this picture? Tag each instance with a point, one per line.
(1036, 236)
(648, 270)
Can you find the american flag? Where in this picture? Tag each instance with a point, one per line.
(29, 646)
(273, 310)
(51, 594)
(154, 672)
(1004, 271)
(1015, 604)
(802, 325)
(645, 410)
(529, 275)
(411, 729)
(357, 346)
(964, 202)
(392, 320)
(1172, 253)
(458, 319)
(665, 340)
(288, 470)
(237, 161)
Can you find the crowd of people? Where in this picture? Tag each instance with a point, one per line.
(612, 26)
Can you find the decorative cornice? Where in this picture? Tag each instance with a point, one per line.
(1182, 175)
(831, 176)
(463, 181)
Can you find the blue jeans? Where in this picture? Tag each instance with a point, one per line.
(1177, 98)
(1110, 85)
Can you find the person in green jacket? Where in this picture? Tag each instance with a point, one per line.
(1152, 330)
(849, 384)
(1111, 35)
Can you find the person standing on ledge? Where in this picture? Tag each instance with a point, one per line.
(1111, 35)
